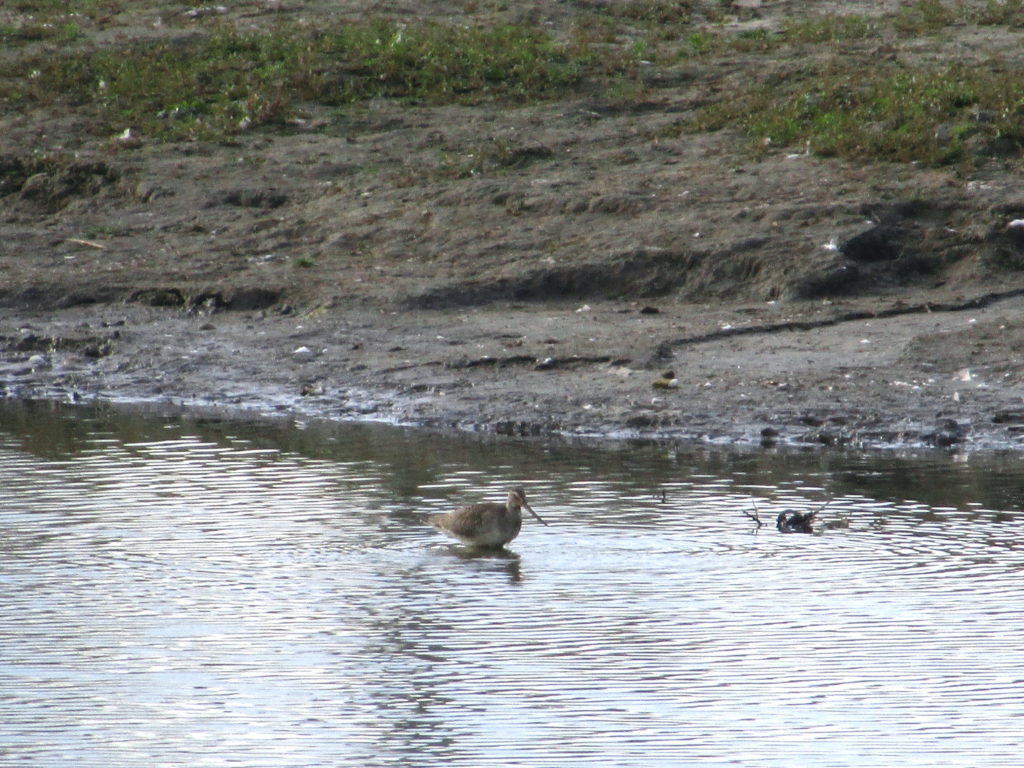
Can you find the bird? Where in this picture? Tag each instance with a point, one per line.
(488, 524)
(789, 521)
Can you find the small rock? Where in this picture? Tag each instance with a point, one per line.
(303, 355)
(1015, 231)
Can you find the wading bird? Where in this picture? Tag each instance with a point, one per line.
(488, 524)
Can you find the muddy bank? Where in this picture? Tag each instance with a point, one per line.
(853, 374)
(582, 266)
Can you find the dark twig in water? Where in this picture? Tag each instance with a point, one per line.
(755, 516)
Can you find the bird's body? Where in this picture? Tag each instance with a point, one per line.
(488, 524)
(789, 521)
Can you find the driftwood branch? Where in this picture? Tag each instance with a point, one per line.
(755, 516)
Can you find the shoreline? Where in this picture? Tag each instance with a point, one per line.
(795, 376)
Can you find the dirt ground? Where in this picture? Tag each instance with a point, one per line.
(601, 280)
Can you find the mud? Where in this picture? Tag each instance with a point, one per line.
(558, 269)
(856, 374)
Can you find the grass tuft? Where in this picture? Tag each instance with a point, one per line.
(1008, 13)
(930, 114)
(218, 81)
(221, 83)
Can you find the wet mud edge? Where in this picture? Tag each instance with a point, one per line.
(937, 373)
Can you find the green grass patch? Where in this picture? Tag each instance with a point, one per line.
(58, 21)
(810, 31)
(928, 114)
(1008, 13)
(226, 81)
(53, 7)
(653, 11)
(828, 28)
(54, 10)
(32, 32)
(924, 17)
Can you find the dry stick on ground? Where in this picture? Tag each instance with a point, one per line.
(89, 243)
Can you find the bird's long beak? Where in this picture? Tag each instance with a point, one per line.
(530, 510)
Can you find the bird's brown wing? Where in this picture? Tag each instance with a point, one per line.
(464, 521)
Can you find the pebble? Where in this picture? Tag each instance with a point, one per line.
(303, 355)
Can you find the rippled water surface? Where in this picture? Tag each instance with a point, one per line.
(189, 591)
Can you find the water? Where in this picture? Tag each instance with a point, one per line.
(199, 592)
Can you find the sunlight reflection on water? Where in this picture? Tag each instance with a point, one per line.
(177, 592)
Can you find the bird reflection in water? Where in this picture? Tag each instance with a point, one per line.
(490, 559)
